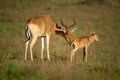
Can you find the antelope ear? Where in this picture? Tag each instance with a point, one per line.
(90, 32)
(93, 33)
(64, 29)
(74, 29)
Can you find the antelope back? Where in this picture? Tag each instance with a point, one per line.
(42, 25)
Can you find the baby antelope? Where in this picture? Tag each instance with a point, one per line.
(83, 42)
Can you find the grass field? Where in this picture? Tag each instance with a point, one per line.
(101, 16)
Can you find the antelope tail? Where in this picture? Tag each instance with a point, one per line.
(27, 34)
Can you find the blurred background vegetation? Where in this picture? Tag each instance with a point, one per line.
(101, 16)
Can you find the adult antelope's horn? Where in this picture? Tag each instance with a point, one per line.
(63, 23)
(74, 23)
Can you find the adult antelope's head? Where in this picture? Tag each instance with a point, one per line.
(69, 30)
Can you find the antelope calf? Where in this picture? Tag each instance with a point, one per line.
(83, 42)
(41, 26)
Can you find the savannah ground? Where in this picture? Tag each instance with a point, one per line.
(101, 16)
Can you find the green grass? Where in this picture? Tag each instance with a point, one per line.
(103, 58)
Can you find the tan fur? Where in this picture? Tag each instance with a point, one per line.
(83, 42)
(68, 35)
(43, 26)
(39, 27)
(80, 42)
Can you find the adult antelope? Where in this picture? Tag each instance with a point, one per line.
(42, 26)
